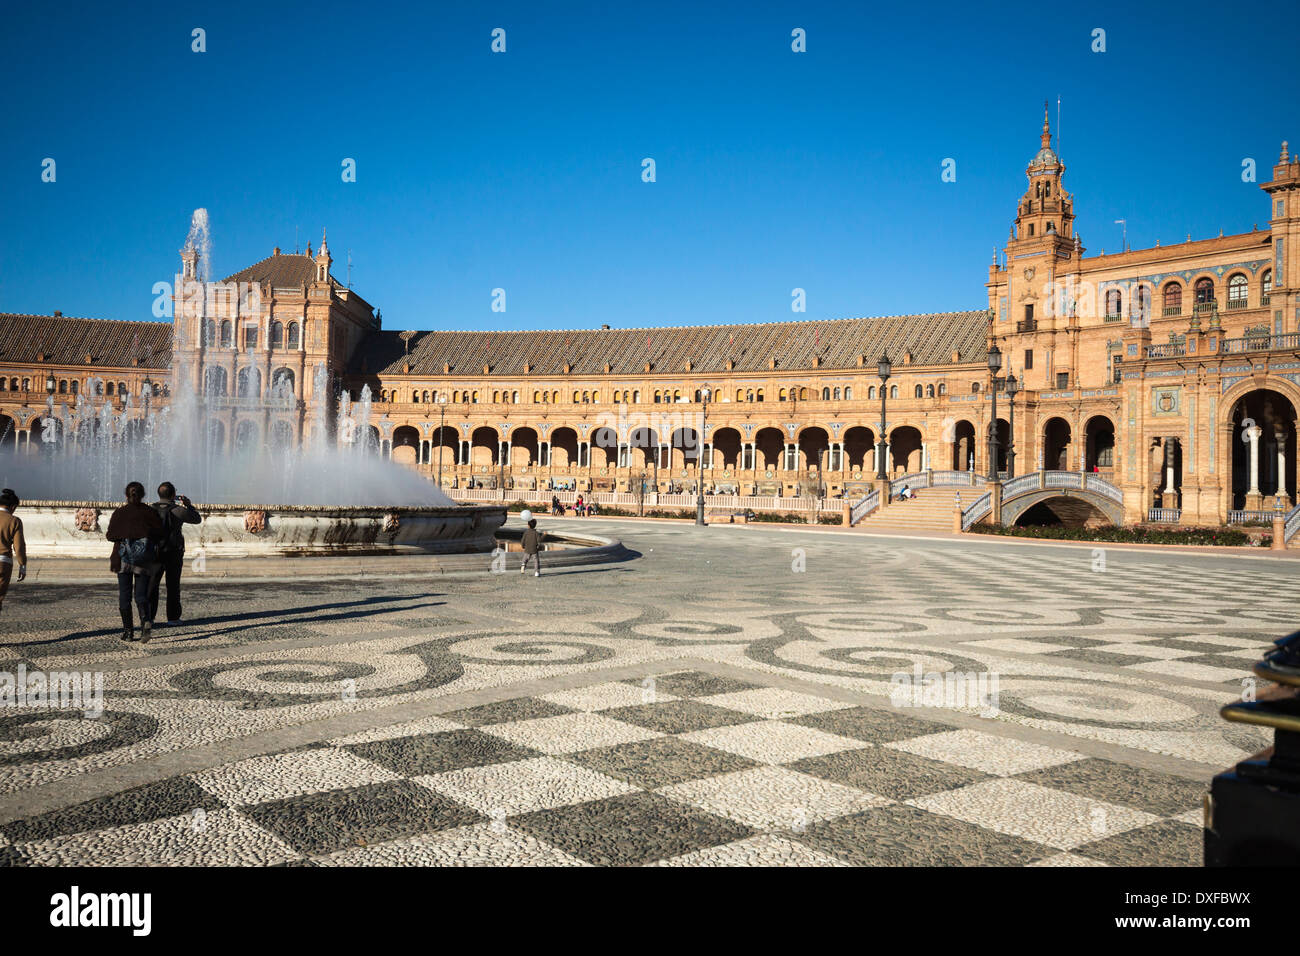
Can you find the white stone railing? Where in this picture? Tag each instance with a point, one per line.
(981, 507)
(1292, 523)
(1164, 515)
(869, 503)
(1244, 516)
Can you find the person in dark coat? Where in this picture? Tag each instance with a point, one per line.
(176, 512)
(134, 521)
(532, 549)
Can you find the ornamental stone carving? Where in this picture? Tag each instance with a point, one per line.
(255, 521)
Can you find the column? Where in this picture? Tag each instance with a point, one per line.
(1252, 435)
(1280, 436)
(1169, 466)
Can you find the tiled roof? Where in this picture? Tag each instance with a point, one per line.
(838, 343)
(67, 341)
(283, 271)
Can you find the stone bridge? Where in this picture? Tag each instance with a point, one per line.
(1076, 497)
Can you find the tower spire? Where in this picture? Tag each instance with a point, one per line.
(1047, 128)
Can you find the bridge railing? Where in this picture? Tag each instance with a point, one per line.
(981, 507)
(1243, 516)
(936, 479)
(860, 509)
(1164, 515)
(1292, 523)
(1020, 485)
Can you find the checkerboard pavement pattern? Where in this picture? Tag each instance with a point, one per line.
(684, 769)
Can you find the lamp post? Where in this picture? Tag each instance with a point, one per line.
(995, 363)
(1013, 387)
(883, 369)
(442, 421)
(49, 385)
(699, 459)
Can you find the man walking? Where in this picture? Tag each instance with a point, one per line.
(136, 531)
(532, 549)
(176, 512)
(13, 548)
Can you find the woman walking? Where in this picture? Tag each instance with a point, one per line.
(136, 530)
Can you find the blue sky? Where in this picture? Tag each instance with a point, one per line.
(522, 170)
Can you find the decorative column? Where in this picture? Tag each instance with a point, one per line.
(1254, 500)
(1280, 437)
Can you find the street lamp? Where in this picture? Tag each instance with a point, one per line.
(49, 385)
(442, 421)
(1013, 387)
(699, 459)
(995, 363)
(884, 368)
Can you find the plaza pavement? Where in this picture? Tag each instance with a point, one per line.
(722, 698)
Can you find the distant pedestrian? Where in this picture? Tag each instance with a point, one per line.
(176, 512)
(532, 549)
(13, 547)
(136, 531)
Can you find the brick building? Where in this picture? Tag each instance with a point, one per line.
(1172, 372)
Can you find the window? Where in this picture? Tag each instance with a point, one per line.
(1114, 303)
(871, 392)
(636, 397)
(803, 394)
(974, 388)
(1062, 379)
(893, 391)
(916, 393)
(1029, 314)
(293, 335)
(826, 394)
(210, 332)
(1267, 283)
(1143, 308)
(1031, 229)
(121, 389)
(1204, 291)
(277, 335)
(227, 334)
(943, 388)
(1237, 290)
(1029, 358)
(781, 396)
(1173, 299)
(63, 387)
(760, 394)
(929, 391)
(848, 393)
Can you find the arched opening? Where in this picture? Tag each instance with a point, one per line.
(814, 445)
(247, 438)
(282, 384)
(726, 448)
(444, 449)
(1063, 511)
(768, 443)
(963, 446)
(860, 448)
(564, 448)
(523, 447)
(277, 335)
(8, 434)
(216, 436)
(282, 435)
(293, 335)
(647, 440)
(484, 447)
(1056, 445)
(685, 448)
(248, 382)
(604, 448)
(214, 382)
(1099, 434)
(1273, 474)
(905, 450)
(406, 445)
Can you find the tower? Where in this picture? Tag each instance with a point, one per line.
(1284, 196)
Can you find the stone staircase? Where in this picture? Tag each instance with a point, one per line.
(929, 512)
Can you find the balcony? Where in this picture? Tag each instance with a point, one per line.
(1027, 325)
(1114, 317)
(1265, 299)
(1166, 351)
(1201, 308)
(1172, 311)
(1262, 343)
(1235, 304)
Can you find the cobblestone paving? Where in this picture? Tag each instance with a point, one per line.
(724, 699)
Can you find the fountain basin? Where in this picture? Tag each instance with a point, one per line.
(75, 529)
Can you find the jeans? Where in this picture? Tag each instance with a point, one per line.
(171, 569)
(135, 586)
(536, 558)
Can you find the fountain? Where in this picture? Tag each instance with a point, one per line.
(265, 493)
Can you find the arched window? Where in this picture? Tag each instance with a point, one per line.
(1114, 302)
(916, 393)
(848, 393)
(250, 336)
(473, 398)
(121, 389)
(210, 332)
(63, 387)
(826, 394)
(1237, 290)
(383, 395)
(871, 392)
(781, 395)
(586, 397)
(4, 384)
(227, 334)
(836, 394)
(943, 388)
(929, 391)
(636, 397)
(1173, 298)
(974, 388)
(277, 335)
(1267, 286)
(27, 385)
(740, 396)
(749, 395)
(893, 391)
(1204, 292)
(803, 394)
(1142, 308)
(760, 394)
(293, 335)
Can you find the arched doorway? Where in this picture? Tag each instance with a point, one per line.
(685, 448)
(860, 449)
(963, 446)
(905, 450)
(406, 445)
(647, 440)
(564, 448)
(1273, 418)
(1056, 445)
(768, 445)
(726, 448)
(814, 444)
(1099, 435)
(485, 449)
(523, 447)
